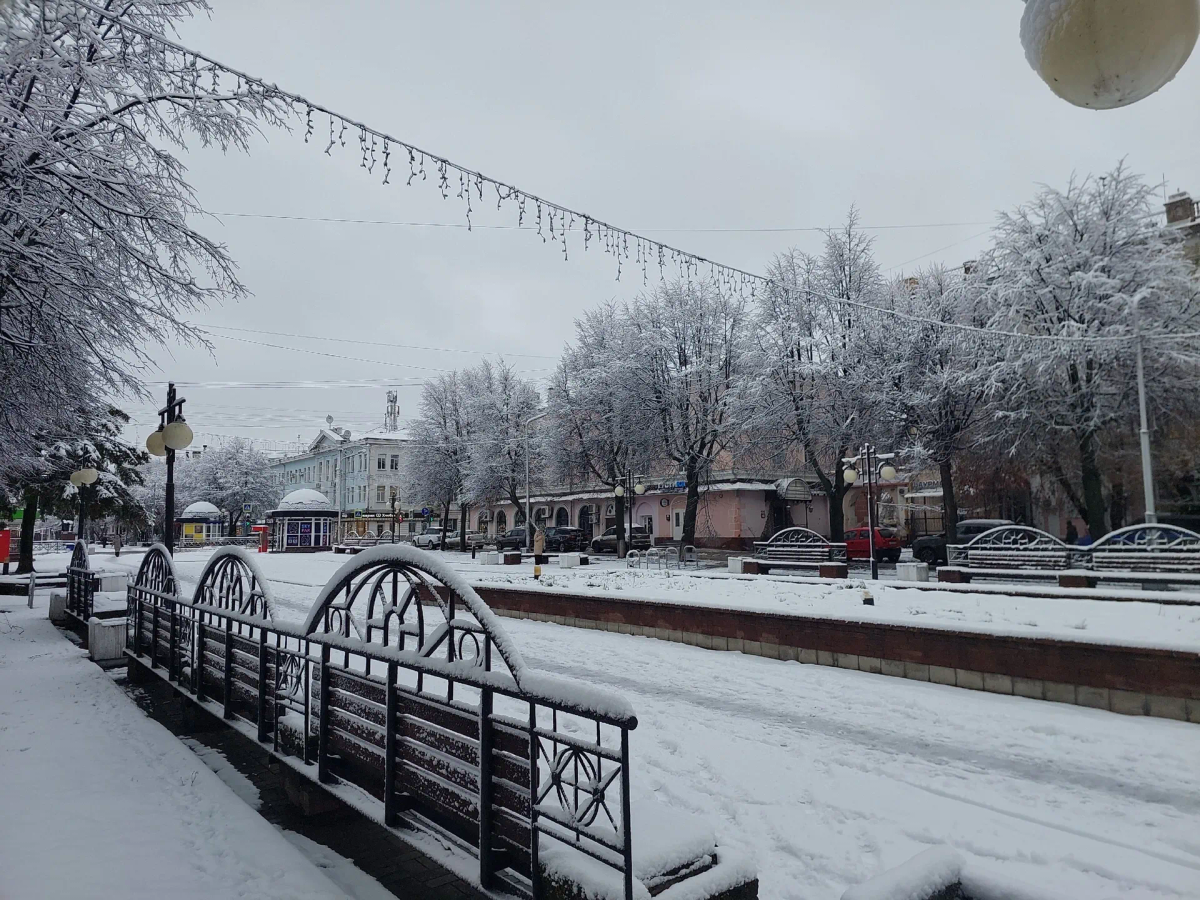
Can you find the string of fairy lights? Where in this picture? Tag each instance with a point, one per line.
(385, 156)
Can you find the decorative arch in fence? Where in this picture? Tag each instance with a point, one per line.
(402, 682)
(81, 583)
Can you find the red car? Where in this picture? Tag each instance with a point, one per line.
(887, 545)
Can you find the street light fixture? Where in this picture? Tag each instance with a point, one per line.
(83, 478)
(869, 461)
(173, 434)
(1105, 54)
(528, 521)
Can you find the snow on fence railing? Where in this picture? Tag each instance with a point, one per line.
(403, 682)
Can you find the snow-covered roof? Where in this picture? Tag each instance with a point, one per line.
(302, 500)
(202, 509)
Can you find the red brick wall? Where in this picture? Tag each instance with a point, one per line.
(1167, 673)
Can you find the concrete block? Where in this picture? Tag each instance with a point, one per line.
(847, 661)
(1058, 692)
(787, 653)
(806, 656)
(996, 683)
(1128, 703)
(705, 641)
(568, 560)
(58, 606)
(893, 667)
(912, 571)
(942, 675)
(826, 658)
(112, 581)
(753, 648)
(662, 634)
(1167, 707)
(1096, 698)
(969, 679)
(1193, 711)
(720, 643)
(916, 671)
(1029, 687)
(691, 638)
(735, 645)
(106, 639)
(675, 636)
(512, 558)
(735, 565)
(623, 628)
(872, 664)
(769, 650)
(491, 558)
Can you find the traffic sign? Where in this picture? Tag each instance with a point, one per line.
(246, 507)
(424, 510)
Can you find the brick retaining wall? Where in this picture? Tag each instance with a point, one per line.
(1128, 680)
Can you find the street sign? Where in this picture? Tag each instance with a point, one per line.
(358, 514)
(246, 507)
(424, 510)
(681, 484)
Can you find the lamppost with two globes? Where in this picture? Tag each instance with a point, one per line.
(173, 434)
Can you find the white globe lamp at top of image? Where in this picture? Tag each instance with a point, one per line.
(639, 489)
(619, 490)
(87, 475)
(155, 444)
(888, 473)
(850, 476)
(1105, 54)
(75, 479)
(177, 435)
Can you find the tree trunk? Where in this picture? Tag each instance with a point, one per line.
(28, 523)
(462, 526)
(1093, 486)
(620, 508)
(691, 474)
(949, 503)
(445, 523)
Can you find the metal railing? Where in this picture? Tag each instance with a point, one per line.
(402, 682)
(81, 584)
(1136, 548)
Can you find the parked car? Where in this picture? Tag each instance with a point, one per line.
(564, 540)
(513, 539)
(477, 539)
(887, 545)
(436, 537)
(932, 547)
(638, 539)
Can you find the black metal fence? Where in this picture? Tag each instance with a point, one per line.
(402, 683)
(81, 584)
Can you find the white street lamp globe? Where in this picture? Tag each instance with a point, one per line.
(620, 490)
(639, 489)
(850, 476)
(177, 435)
(1104, 54)
(888, 473)
(155, 445)
(88, 475)
(75, 480)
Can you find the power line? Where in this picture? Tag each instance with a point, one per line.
(781, 230)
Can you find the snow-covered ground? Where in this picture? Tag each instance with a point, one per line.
(1148, 624)
(97, 800)
(826, 776)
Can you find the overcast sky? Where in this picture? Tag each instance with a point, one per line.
(710, 122)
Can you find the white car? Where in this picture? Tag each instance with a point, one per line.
(433, 538)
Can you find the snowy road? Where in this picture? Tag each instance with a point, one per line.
(826, 776)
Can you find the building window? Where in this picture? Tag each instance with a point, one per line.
(379, 493)
(381, 462)
(395, 462)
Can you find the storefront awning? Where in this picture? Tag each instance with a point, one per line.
(793, 489)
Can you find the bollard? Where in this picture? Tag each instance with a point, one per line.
(32, 587)
(473, 551)
(537, 572)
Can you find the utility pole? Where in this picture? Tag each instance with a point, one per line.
(1147, 463)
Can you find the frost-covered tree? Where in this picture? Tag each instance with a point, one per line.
(501, 402)
(45, 485)
(820, 355)
(689, 362)
(232, 476)
(99, 258)
(1080, 271)
(601, 426)
(436, 469)
(938, 377)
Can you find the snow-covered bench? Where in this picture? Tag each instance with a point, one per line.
(798, 548)
(1012, 552)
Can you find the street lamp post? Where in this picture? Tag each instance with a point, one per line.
(83, 479)
(868, 459)
(528, 521)
(173, 434)
(1144, 430)
(394, 525)
(623, 490)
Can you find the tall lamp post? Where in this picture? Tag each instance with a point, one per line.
(528, 521)
(622, 490)
(83, 479)
(173, 434)
(868, 459)
(394, 523)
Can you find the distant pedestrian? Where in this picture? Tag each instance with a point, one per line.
(539, 541)
(1072, 532)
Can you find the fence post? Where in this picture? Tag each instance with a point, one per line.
(228, 713)
(262, 683)
(198, 657)
(172, 646)
(136, 608)
(486, 863)
(389, 749)
(626, 830)
(535, 871)
(323, 719)
(154, 635)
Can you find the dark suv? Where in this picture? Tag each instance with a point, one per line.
(514, 539)
(564, 540)
(637, 539)
(932, 547)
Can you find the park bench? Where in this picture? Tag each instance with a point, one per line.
(1013, 552)
(1150, 555)
(798, 548)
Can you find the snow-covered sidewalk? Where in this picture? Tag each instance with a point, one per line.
(97, 800)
